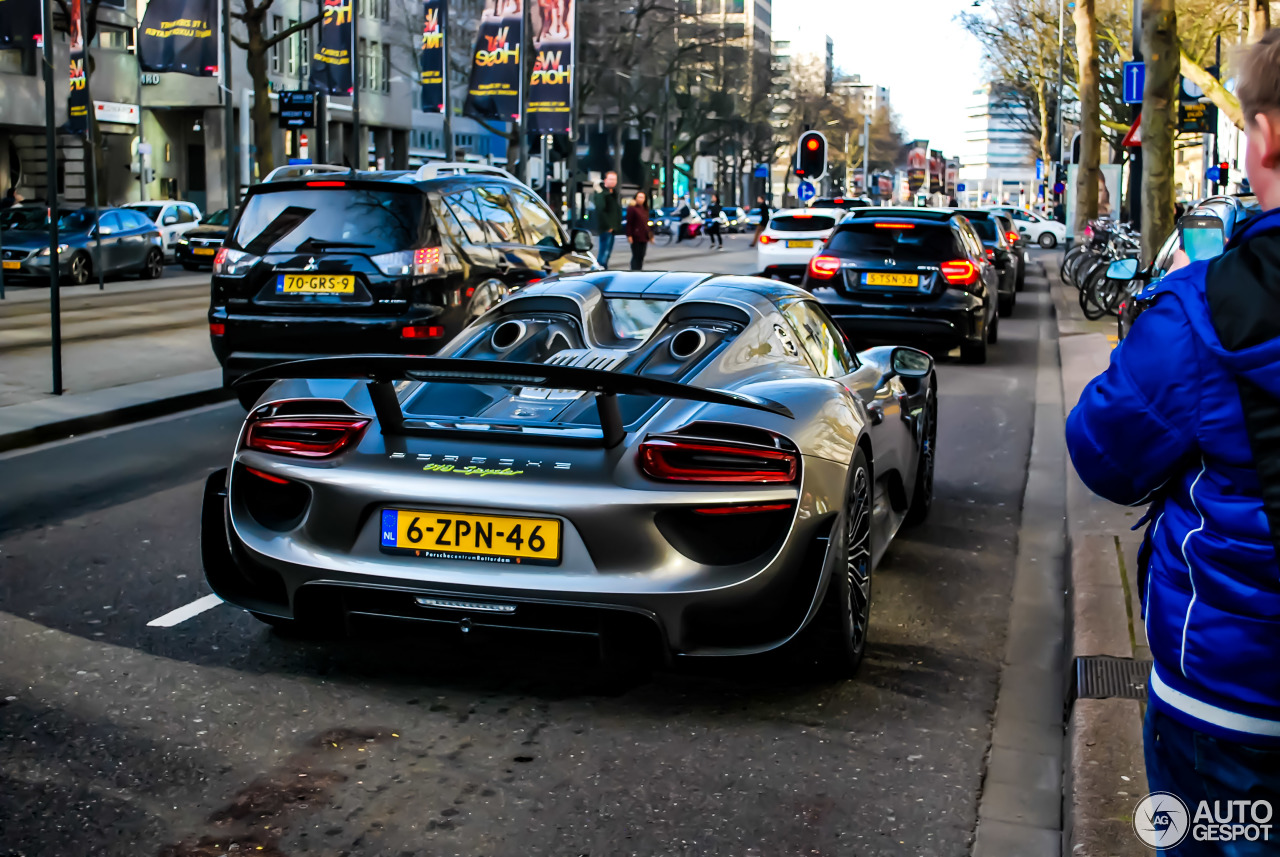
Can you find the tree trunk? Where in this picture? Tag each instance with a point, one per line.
(1088, 174)
(256, 64)
(1042, 104)
(1259, 19)
(1159, 121)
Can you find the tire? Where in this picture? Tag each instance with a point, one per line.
(153, 265)
(975, 353)
(1006, 304)
(81, 269)
(993, 329)
(844, 618)
(1047, 240)
(922, 494)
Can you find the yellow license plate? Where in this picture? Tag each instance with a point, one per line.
(911, 280)
(315, 284)
(490, 538)
(800, 243)
(12, 266)
(204, 251)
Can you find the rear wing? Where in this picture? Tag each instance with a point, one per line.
(381, 371)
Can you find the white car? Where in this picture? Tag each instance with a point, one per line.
(792, 238)
(174, 218)
(1045, 232)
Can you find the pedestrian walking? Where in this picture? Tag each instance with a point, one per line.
(713, 222)
(683, 217)
(764, 219)
(1187, 418)
(11, 198)
(638, 234)
(608, 217)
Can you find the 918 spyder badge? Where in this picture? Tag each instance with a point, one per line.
(479, 465)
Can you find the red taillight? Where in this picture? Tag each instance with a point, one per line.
(838, 200)
(960, 272)
(267, 476)
(802, 216)
(824, 267)
(765, 239)
(309, 437)
(217, 328)
(326, 184)
(991, 253)
(220, 256)
(746, 509)
(895, 225)
(422, 331)
(674, 459)
(1011, 237)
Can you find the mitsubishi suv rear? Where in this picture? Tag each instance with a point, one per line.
(909, 276)
(344, 262)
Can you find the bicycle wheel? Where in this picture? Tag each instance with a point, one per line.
(664, 238)
(1067, 258)
(1092, 303)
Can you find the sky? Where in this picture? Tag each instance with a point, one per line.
(914, 47)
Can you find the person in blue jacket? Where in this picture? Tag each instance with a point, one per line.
(1187, 419)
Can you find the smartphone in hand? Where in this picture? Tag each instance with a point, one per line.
(1203, 236)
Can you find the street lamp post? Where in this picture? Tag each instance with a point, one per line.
(1057, 133)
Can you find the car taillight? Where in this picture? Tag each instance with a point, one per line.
(217, 328)
(233, 263)
(960, 272)
(991, 253)
(767, 239)
(421, 262)
(422, 331)
(308, 437)
(745, 509)
(675, 459)
(1011, 237)
(824, 267)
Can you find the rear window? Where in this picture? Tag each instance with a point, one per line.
(920, 243)
(986, 228)
(370, 221)
(635, 318)
(801, 223)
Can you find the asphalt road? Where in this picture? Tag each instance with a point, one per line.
(217, 736)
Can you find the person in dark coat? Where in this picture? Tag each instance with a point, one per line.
(713, 222)
(608, 217)
(1187, 419)
(638, 232)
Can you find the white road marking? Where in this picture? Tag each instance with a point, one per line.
(185, 612)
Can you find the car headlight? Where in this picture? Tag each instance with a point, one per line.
(62, 248)
(233, 263)
(402, 263)
(183, 241)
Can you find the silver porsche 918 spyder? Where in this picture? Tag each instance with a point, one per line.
(691, 460)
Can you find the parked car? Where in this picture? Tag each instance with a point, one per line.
(992, 232)
(665, 481)
(1045, 232)
(128, 242)
(1018, 242)
(174, 218)
(752, 218)
(197, 248)
(735, 218)
(917, 276)
(344, 262)
(791, 239)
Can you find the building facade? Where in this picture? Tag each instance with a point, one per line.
(998, 164)
(872, 97)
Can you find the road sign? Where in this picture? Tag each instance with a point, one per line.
(1135, 78)
(1213, 174)
(1197, 118)
(806, 191)
(959, 188)
(1134, 137)
(1039, 169)
(761, 171)
(297, 109)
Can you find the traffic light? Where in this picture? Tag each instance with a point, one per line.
(1224, 172)
(811, 162)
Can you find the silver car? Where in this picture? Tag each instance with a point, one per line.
(691, 460)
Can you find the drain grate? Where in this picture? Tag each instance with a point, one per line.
(1102, 677)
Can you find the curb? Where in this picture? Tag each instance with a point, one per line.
(112, 417)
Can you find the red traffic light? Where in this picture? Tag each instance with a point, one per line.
(1224, 166)
(811, 160)
(812, 144)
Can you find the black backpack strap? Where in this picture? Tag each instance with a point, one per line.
(1262, 421)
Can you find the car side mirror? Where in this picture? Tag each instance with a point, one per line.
(580, 240)
(1122, 269)
(169, 220)
(911, 362)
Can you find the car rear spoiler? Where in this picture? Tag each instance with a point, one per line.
(381, 371)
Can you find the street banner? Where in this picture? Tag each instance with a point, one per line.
(19, 22)
(434, 51)
(494, 92)
(551, 82)
(179, 36)
(78, 95)
(331, 68)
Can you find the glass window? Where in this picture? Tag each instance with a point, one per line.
(277, 25)
(466, 215)
(134, 220)
(635, 318)
(221, 217)
(186, 214)
(801, 223)
(151, 212)
(385, 81)
(291, 51)
(109, 223)
(820, 340)
(497, 214)
(919, 243)
(735, 7)
(536, 222)
(364, 221)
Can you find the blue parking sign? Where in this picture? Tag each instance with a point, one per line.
(806, 191)
(1135, 79)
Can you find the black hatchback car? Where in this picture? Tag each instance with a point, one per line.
(1005, 256)
(345, 262)
(912, 276)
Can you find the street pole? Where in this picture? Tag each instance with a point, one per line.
(91, 146)
(228, 112)
(448, 99)
(571, 186)
(51, 197)
(866, 150)
(142, 160)
(1057, 102)
(360, 160)
(1217, 62)
(521, 126)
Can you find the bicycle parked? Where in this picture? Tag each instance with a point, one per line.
(1085, 266)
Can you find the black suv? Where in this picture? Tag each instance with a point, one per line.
(913, 276)
(345, 262)
(991, 230)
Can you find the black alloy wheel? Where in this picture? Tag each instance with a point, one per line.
(153, 267)
(80, 269)
(854, 590)
(1047, 240)
(922, 495)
